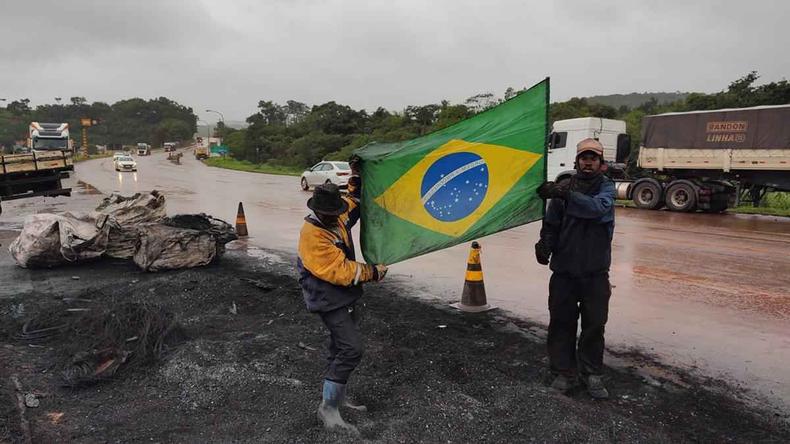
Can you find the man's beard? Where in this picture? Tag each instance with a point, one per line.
(586, 182)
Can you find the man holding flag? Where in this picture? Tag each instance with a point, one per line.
(576, 240)
(331, 282)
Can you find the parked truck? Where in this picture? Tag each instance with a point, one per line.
(202, 152)
(698, 160)
(143, 149)
(39, 171)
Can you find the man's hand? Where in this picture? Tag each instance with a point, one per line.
(381, 271)
(355, 187)
(552, 190)
(542, 252)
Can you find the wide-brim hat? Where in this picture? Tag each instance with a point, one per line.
(327, 200)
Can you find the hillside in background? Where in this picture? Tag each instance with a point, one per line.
(633, 100)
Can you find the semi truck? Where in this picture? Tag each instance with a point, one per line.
(143, 149)
(39, 171)
(688, 161)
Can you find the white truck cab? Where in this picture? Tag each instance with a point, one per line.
(565, 134)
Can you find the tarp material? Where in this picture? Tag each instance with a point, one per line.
(762, 127)
(48, 240)
(457, 184)
(126, 213)
(183, 241)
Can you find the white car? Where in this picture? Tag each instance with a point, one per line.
(337, 173)
(125, 163)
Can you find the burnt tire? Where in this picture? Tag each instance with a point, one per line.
(647, 195)
(681, 197)
(305, 185)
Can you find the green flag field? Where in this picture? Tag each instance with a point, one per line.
(458, 184)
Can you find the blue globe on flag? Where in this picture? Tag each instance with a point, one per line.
(454, 186)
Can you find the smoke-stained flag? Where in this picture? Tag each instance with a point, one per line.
(457, 184)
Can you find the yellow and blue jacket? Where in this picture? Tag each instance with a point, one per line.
(329, 275)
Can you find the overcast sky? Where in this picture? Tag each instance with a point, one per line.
(227, 55)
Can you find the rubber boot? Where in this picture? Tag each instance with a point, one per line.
(328, 411)
(350, 404)
(596, 387)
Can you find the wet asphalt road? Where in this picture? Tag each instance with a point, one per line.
(709, 293)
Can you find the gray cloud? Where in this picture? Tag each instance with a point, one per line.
(227, 55)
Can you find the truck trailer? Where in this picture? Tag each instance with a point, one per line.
(39, 171)
(688, 161)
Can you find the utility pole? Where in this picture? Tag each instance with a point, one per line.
(86, 122)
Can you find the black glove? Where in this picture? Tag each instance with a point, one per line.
(355, 163)
(542, 252)
(552, 190)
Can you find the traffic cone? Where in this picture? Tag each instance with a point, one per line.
(473, 298)
(241, 222)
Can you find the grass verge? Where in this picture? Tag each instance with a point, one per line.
(768, 211)
(243, 165)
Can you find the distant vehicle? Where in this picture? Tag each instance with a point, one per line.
(143, 149)
(169, 146)
(49, 137)
(202, 152)
(337, 173)
(38, 172)
(125, 163)
(118, 154)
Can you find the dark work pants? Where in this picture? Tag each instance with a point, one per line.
(570, 297)
(344, 345)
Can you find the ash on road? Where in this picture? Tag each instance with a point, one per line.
(247, 368)
(705, 292)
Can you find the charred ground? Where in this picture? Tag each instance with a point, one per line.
(244, 363)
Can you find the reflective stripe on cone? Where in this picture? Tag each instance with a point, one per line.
(473, 297)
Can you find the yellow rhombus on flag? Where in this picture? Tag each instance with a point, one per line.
(504, 167)
(457, 184)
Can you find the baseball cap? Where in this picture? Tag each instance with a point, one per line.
(591, 145)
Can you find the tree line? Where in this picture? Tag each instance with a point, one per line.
(295, 134)
(125, 122)
(298, 135)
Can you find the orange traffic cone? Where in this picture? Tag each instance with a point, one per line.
(473, 298)
(241, 222)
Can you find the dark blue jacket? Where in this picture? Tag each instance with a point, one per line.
(579, 231)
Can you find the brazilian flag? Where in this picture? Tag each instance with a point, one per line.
(469, 180)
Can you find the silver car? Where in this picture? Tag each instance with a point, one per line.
(125, 163)
(337, 173)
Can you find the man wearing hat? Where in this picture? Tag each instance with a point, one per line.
(576, 243)
(331, 282)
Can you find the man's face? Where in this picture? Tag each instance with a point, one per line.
(589, 162)
(327, 220)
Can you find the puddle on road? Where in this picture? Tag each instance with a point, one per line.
(87, 188)
(256, 252)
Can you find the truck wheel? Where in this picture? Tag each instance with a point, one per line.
(681, 197)
(647, 195)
